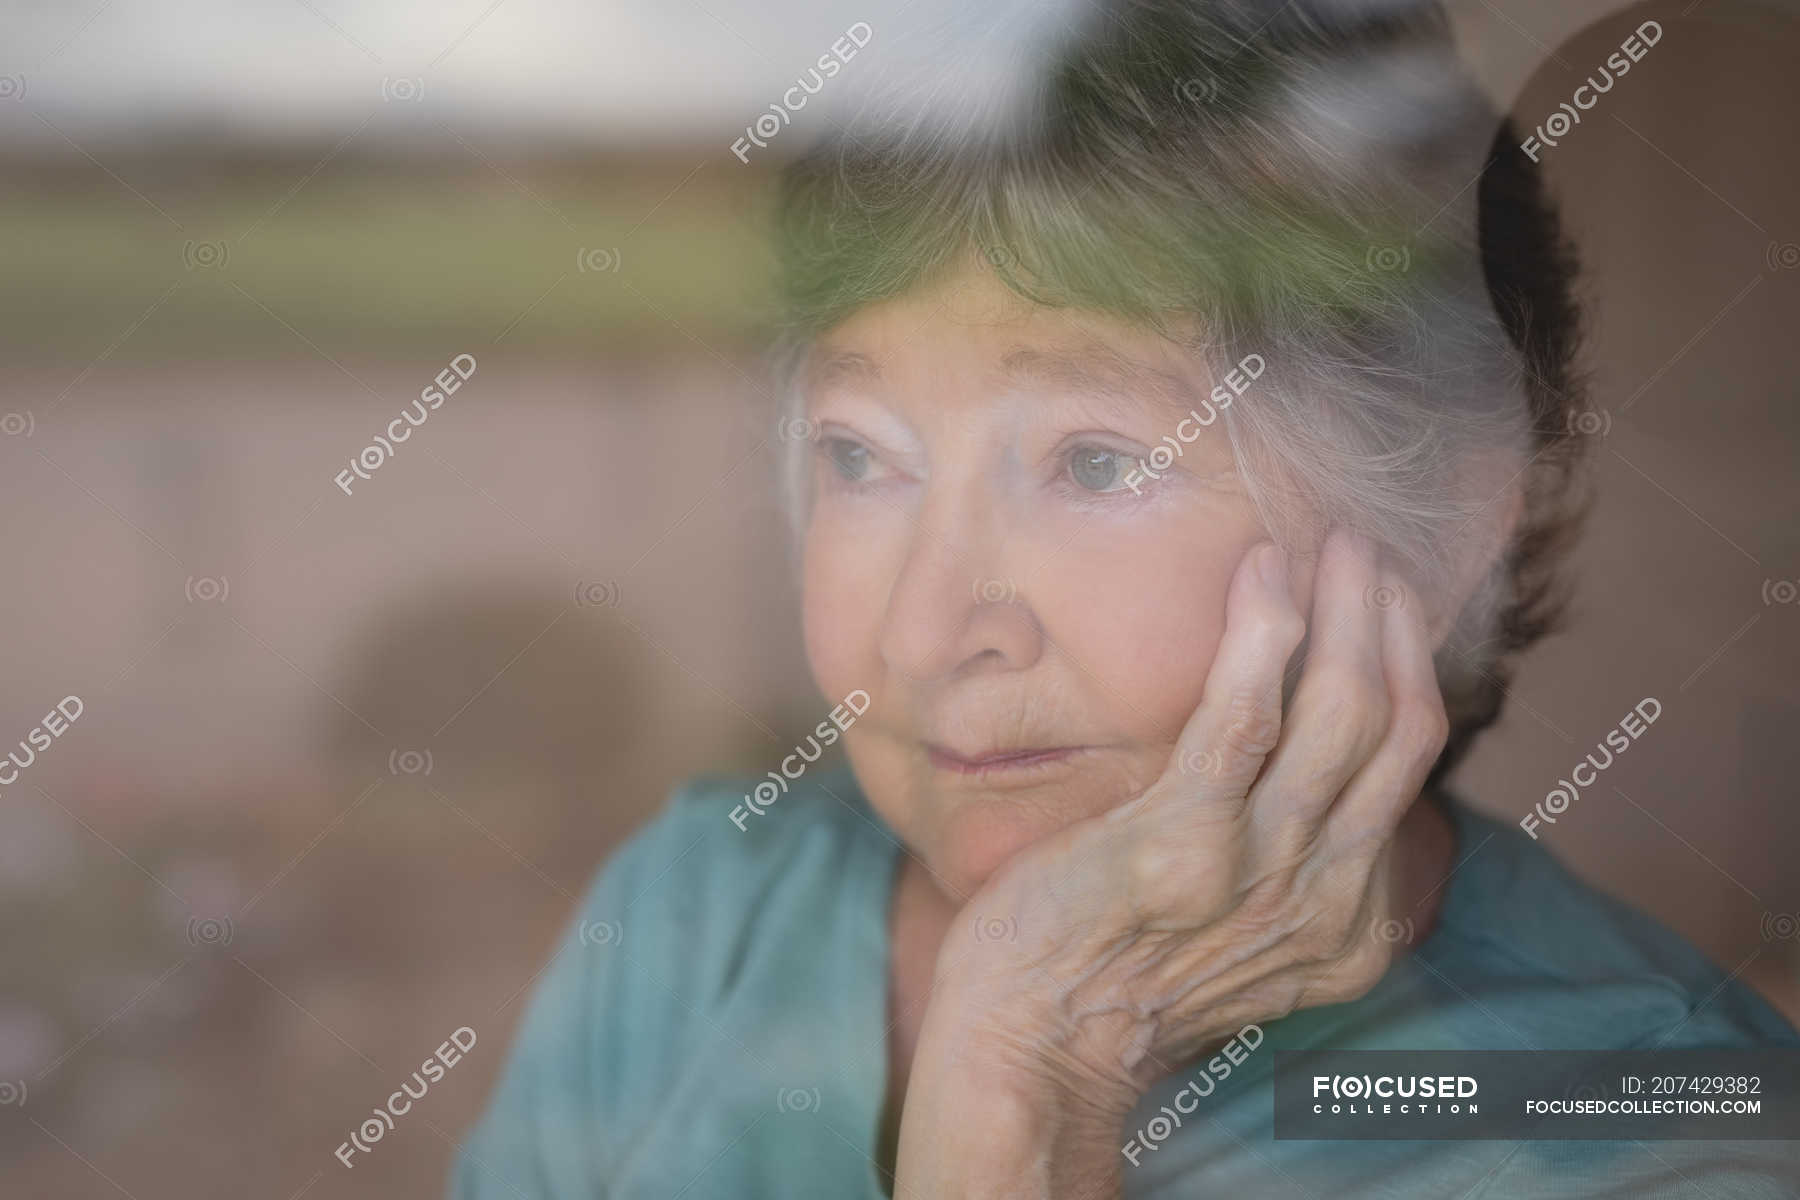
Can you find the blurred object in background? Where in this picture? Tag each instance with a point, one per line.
(348, 752)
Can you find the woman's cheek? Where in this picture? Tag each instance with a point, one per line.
(842, 599)
(1144, 610)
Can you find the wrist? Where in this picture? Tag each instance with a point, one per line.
(1043, 1041)
(994, 1111)
(970, 1133)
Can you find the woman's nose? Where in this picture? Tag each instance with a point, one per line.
(957, 605)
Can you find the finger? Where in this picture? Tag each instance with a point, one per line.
(1353, 953)
(1238, 719)
(1378, 796)
(1339, 713)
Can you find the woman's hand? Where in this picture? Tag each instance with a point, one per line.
(1249, 881)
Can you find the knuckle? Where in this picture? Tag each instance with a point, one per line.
(1377, 712)
(1157, 885)
(1252, 724)
(1353, 973)
(1421, 728)
(1348, 712)
(1366, 963)
(1266, 903)
(1286, 628)
(1358, 848)
(1334, 934)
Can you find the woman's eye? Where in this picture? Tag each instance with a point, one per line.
(1098, 469)
(850, 458)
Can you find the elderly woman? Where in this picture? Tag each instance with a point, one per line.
(1174, 475)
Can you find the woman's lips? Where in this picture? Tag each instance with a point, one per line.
(996, 763)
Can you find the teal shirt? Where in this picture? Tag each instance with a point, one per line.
(713, 1024)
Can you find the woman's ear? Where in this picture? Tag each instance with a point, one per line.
(1475, 548)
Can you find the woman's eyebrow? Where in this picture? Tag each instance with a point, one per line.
(1102, 373)
(841, 367)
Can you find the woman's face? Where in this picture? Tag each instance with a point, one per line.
(985, 559)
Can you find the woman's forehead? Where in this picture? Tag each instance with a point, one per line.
(897, 344)
(1092, 371)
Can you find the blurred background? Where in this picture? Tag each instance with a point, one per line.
(344, 761)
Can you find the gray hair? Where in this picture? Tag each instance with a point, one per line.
(1297, 187)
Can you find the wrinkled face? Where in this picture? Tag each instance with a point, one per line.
(1030, 614)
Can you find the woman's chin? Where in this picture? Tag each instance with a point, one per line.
(966, 833)
(980, 836)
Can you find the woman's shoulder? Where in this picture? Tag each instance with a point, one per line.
(718, 962)
(1525, 956)
(1571, 966)
(731, 864)
(721, 838)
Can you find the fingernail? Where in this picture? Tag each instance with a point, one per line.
(1272, 566)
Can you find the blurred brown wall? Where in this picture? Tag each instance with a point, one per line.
(238, 895)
